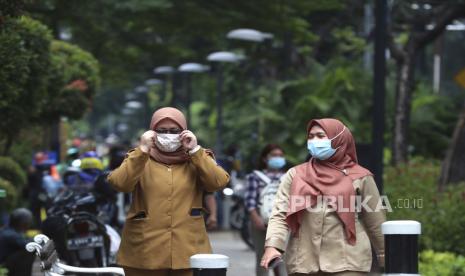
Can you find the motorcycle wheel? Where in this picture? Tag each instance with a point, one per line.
(236, 218)
(245, 234)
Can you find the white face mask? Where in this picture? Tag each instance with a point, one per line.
(168, 142)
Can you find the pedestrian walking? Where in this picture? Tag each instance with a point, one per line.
(262, 186)
(167, 176)
(315, 204)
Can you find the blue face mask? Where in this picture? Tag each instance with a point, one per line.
(276, 163)
(322, 149)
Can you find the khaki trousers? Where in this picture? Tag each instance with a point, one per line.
(129, 271)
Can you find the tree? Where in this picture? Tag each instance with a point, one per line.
(129, 39)
(73, 81)
(25, 59)
(452, 167)
(10, 8)
(422, 27)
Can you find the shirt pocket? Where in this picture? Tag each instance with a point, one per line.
(196, 226)
(134, 228)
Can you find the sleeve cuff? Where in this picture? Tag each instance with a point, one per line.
(138, 154)
(194, 150)
(276, 243)
(381, 260)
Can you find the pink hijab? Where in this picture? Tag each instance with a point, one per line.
(331, 177)
(169, 158)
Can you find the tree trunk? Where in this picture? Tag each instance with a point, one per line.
(404, 90)
(452, 167)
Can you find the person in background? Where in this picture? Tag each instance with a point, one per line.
(167, 175)
(84, 178)
(270, 170)
(316, 204)
(211, 218)
(13, 254)
(43, 183)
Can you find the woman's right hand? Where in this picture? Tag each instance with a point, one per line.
(270, 254)
(147, 141)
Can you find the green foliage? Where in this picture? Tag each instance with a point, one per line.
(441, 263)
(11, 171)
(433, 120)
(414, 185)
(348, 43)
(71, 63)
(131, 37)
(25, 145)
(74, 79)
(340, 90)
(10, 8)
(8, 203)
(24, 55)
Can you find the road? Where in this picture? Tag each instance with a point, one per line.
(241, 259)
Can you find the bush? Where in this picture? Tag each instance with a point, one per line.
(8, 203)
(444, 264)
(12, 172)
(441, 214)
(3, 271)
(25, 60)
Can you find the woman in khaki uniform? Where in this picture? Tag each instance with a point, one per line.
(330, 228)
(167, 176)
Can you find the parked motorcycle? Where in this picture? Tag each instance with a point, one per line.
(239, 216)
(80, 236)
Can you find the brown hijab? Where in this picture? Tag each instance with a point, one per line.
(331, 177)
(169, 158)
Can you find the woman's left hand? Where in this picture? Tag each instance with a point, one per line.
(188, 140)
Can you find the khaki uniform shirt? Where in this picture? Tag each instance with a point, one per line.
(161, 230)
(321, 244)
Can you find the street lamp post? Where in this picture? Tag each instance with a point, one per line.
(254, 36)
(379, 91)
(165, 72)
(148, 108)
(187, 69)
(143, 90)
(219, 58)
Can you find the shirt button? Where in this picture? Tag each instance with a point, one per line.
(169, 169)
(317, 237)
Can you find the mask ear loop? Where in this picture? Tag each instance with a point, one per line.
(337, 136)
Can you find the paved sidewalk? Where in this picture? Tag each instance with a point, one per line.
(241, 258)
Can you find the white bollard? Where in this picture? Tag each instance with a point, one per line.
(209, 264)
(401, 247)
